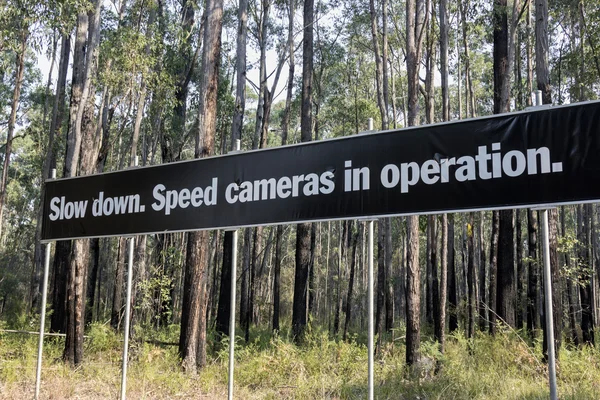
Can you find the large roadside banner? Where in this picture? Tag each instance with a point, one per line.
(531, 158)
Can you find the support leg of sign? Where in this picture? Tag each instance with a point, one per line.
(371, 296)
(548, 306)
(127, 318)
(371, 319)
(127, 312)
(234, 243)
(548, 288)
(38, 371)
(38, 374)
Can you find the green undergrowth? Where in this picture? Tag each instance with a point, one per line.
(500, 367)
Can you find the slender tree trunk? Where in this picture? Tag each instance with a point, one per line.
(541, 50)
(452, 295)
(285, 127)
(80, 153)
(12, 119)
(506, 293)
(117, 303)
(521, 316)
(469, 93)
(299, 317)
(435, 281)
(528, 36)
(415, 22)
(585, 278)
(245, 280)
(355, 240)
(224, 307)
(440, 332)
(443, 15)
(494, 248)
(483, 314)
(471, 278)
(58, 285)
(533, 320)
(192, 340)
(429, 317)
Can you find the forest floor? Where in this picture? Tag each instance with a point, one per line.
(500, 367)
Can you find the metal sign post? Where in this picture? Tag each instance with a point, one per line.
(127, 313)
(38, 371)
(371, 328)
(371, 319)
(234, 245)
(127, 318)
(548, 289)
(548, 308)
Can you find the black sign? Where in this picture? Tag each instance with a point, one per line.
(538, 157)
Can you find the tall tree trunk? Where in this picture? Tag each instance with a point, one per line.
(471, 278)
(440, 333)
(506, 288)
(533, 320)
(528, 36)
(415, 23)
(469, 93)
(355, 239)
(494, 248)
(342, 260)
(501, 61)
(435, 280)
(245, 279)
(443, 15)
(80, 153)
(483, 314)
(12, 119)
(382, 102)
(429, 271)
(543, 84)
(521, 275)
(192, 339)
(452, 295)
(505, 280)
(284, 135)
(413, 295)
(299, 317)
(58, 293)
(117, 303)
(541, 50)
(585, 276)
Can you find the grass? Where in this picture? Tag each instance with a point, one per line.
(501, 367)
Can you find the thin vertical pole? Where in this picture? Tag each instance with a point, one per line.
(548, 308)
(127, 312)
(371, 319)
(371, 302)
(234, 245)
(38, 371)
(548, 291)
(127, 318)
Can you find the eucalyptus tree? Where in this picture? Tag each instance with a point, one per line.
(224, 307)
(192, 339)
(17, 20)
(79, 160)
(543, 84)
(415, 25)
(299, 306)
(285, 126)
